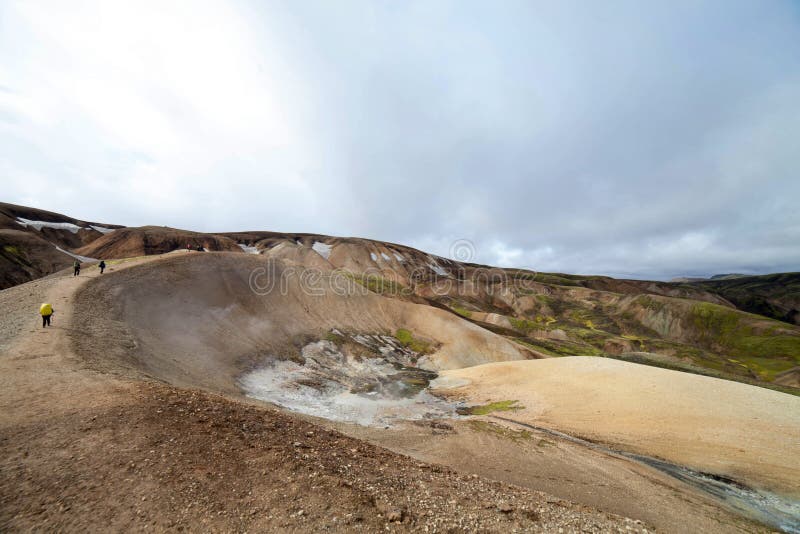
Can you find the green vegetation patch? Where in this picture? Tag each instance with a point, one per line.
(716, 322)
(646, 301)
(463, 312)
(556, 280)
(407, 339)
(736, 335)
(335, 338)
(12, 249)
(526, 326)
(486, 409)
(378, 284)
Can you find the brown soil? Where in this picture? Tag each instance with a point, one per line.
(150, 240)
(84, 448)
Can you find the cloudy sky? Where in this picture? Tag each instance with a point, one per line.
(642, 138)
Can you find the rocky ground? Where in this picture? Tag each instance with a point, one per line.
(173, 459)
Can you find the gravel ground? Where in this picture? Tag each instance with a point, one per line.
(20, 305)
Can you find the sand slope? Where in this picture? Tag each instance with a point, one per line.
(744, 432)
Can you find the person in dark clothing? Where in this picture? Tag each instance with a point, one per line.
(199, 248)
(76, 266)
(102, 266)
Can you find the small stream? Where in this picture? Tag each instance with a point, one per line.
(767, 508)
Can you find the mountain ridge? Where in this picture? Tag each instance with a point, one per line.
(739, 328)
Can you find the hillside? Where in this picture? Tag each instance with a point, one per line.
(149, 240)
(724, 327)
(35, 243)
(771, 295)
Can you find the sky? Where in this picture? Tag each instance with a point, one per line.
(633, 138)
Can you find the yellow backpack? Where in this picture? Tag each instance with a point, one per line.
(46, 309)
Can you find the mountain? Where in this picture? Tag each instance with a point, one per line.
(35, 243)
(771, 295)
(729, 276)
(738, 328)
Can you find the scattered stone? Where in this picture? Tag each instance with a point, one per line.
(395, 516)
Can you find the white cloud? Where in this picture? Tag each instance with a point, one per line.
(142, 102)
(611, 138)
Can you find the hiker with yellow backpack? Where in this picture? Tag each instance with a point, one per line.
(47, 311)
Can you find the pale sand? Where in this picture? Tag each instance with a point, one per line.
(748, 433)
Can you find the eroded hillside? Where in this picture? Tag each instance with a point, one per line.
(35, 243)
(704, 327)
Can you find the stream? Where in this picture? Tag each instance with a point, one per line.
(767, 508)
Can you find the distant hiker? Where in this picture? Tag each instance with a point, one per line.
(46, 310)
(188, 246)
(199, 248)
(76, 265)
(102, 266)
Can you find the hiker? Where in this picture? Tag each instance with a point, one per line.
(199, 248)
(46, 310)
(102, 266)
(76, 265)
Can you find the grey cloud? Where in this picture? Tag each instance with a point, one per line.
(627, 138)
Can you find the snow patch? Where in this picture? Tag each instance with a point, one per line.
(101, 229)
(373, 256)
(438, 269)
(38, 225)
(399, 257)
(323, 249)
(248, 249)
(385, 256)
(76, 256)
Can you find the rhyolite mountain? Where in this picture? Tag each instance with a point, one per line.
(742, 328)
